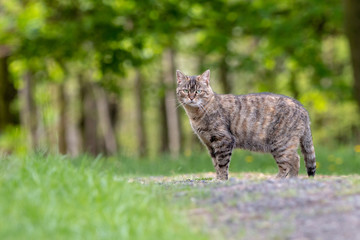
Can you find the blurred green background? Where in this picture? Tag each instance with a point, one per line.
(98, 77)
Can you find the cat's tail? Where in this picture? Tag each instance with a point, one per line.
(307, 149)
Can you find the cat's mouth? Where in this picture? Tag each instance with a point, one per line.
(192, 103)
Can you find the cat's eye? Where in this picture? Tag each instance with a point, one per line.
(186, 91)
(198, 91)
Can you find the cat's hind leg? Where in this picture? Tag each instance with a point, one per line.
(288, 165)
(287, 159)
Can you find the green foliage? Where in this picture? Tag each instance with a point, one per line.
(58, 198)
(14, 142)
(296, 48)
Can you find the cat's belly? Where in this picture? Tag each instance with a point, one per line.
(255, 145)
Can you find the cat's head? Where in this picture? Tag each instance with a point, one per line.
(194, 91)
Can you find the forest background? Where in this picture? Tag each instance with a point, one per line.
(98, 77)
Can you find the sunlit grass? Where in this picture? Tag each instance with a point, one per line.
(58, 198)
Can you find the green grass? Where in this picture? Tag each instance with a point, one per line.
(344, 160)
(58, 198)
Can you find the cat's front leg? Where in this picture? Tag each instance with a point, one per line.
(221, 156)
(221, 173)
(222, 170)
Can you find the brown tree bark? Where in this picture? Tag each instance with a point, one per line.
(352, 28)
(163, 127)
(172, 112)
(105, 121)
(28, 109)
(73, 133)
(114, 110)
(164, 135)
(89, 118)
(7, 91)
(69, 137)
(140, 110)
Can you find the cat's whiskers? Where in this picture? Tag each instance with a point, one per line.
(179, 104)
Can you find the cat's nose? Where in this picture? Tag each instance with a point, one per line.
(192, 96)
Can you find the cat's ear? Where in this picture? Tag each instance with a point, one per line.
(180, 76)
(206, 76)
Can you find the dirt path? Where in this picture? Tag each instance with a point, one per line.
(254, 206)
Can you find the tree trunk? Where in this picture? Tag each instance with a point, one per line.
(163, 126)
(105, 122)
(224, 78)
(28, 109)
(114, 110)
(73, 133)
(140, 109)
(172, 113)
(89, 120)
(62, 120)
(164, 135)
(293, 84)
(352, 28)
(7, 91)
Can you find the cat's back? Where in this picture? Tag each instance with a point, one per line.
(255, 118)
(256, 103)
(271, 103)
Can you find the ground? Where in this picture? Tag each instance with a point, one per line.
(256, 206)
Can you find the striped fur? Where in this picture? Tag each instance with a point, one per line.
(262, 122)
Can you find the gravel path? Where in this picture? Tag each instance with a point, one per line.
(253, 206)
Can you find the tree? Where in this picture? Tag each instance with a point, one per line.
(29, 114)
(7, 90)
(352, 27)
(161, 28)
(140, 111)
(172, 114)
(261, 45)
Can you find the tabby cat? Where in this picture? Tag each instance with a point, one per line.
(262, 122)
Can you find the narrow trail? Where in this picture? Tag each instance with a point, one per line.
(255, 206)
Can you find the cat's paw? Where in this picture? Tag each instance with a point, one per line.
(221, 178)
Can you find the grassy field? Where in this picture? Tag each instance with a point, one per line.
(58, 197)
(343, 160)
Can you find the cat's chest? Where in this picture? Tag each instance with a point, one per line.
(202, 129)
(206, 125)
